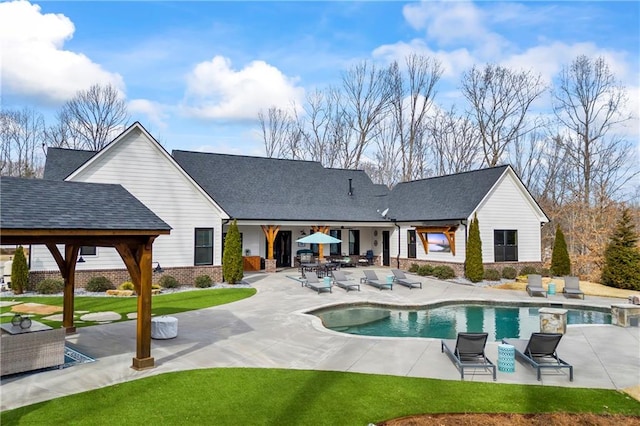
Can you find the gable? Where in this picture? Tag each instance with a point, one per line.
(138, 162)
(449, 197)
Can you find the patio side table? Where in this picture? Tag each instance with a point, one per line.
(506, 358)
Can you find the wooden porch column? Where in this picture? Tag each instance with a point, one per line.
(139, 266)
(67, 267)
(270, 233)
(324, 230)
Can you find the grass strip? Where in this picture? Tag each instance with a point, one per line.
(161, 304)
(234, 396)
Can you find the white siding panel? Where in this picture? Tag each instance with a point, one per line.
(508, 208)
(139, 166)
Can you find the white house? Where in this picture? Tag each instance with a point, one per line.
(276, 201)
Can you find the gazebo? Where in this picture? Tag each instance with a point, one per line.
(74, 214)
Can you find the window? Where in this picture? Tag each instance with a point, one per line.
(411, 243)
(88, 250)
(354, 241)
(335, 249)
(505, 243)
(203, 246)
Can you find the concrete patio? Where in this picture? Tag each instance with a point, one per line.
(271, 330)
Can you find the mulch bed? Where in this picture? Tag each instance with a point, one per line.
(556, 419)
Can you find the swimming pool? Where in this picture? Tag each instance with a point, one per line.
(446, 321)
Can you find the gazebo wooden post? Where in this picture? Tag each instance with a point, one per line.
(67, 266)
(143, 357)
(139, 267)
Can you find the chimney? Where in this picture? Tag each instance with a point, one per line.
(350, 187)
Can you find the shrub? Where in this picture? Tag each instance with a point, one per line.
(560, 262)
(492, 274)
(414, 268)
(545, 272)
(232, 268)
(156, 286)
(527, 270)
(425, 270)
(443, 272)
(622, 256)
(127, 285)
(473, 268)
(19, 272)
(50, 286)
(203, 281)
(100, 284)
(509, 272)
(168, 281)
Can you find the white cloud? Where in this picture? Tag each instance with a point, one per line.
(154, 112)
(33, 60)
(216, 91)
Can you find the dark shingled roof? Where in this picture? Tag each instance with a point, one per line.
(278, 189)
(61, 162)
(442, 198)
(50, 204)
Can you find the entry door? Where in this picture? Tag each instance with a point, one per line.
(385, 248)
(281, 249)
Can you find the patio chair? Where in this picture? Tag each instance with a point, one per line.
(534, 285)
(371, 278)
(341, 280)
(572, 287)
(540, 351)
(400, 278)
(467, 351)
(313, 282)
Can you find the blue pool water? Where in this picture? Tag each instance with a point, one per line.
(445, 322)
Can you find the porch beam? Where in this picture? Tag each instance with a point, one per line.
(270, 232)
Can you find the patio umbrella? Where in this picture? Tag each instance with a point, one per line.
(318, 238)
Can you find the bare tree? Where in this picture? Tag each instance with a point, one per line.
(500, 99)
(321, 139)
(22, 137)
(93, 117)
(412, 97)
(589, 103)
(455, 142)
(367, 96)
(276, 128)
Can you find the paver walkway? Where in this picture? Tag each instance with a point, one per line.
(271, 330)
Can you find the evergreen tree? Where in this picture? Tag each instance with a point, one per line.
(473, 268)
(560, 262)
(622, 256)
(232, 269)
(19, 272)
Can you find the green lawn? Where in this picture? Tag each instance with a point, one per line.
(242, 396)
(161, 304)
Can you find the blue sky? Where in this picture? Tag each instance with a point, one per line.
(196, 73)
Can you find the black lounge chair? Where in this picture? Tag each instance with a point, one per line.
(400, 278)
(540, 351)
(572, 287)
(534, 285)
(312, 281)
(467, 351)
(341, 280)
(371, 278)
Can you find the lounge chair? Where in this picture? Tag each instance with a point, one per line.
(341, 280)
(400, 278)
(371, 278)
(572, 287)
(467, 351)
(313, 282)
(540, 351)
(534, 285)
